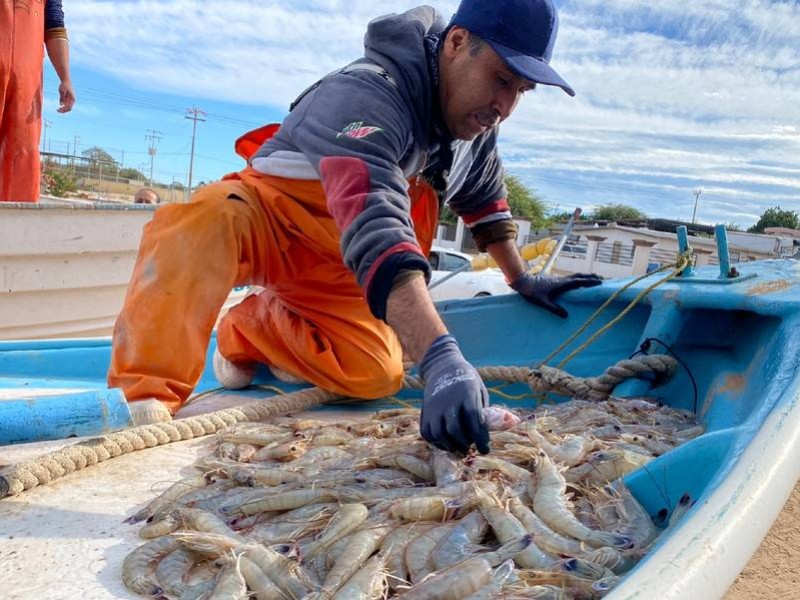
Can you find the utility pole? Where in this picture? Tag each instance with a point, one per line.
(74, 151)
(696, 196)
(153, 137)
(47, 125)
(120, 166)
(193, 114)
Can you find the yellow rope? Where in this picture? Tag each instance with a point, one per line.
(620, 316)
(679, 266)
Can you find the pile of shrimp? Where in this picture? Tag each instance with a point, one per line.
(305, 508)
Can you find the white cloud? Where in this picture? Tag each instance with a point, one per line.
(672, 96)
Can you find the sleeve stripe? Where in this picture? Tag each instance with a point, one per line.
(497, 206)
(346, 182)
(501, 216)
(401, 247)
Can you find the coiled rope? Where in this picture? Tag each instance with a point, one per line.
(54, 465)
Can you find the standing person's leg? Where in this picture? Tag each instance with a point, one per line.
(21, 58)
(191, 256)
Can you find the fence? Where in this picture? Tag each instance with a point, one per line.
(615, 253)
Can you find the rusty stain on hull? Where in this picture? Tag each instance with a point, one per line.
(769, 287)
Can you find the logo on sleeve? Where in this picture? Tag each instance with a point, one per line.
(358, 130)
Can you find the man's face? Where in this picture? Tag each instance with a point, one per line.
(477, 91)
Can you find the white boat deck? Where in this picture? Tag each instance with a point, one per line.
(67, 540)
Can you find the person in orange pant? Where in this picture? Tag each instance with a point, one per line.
(310, 321)
(334, 216)
(25, 29)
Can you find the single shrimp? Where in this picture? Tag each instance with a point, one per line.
(258, 582)
(200, 520)
(208, 544)
(636, 523)
(455, 583)
(158, 528)
(488, 463)
(229, 584)
(265, 477)
(368, 583)
(461, 542)
(173, 569)
(278, 502)
(569, 452)
(611, 558)
(407, 462)
(507, 528)
(393, 546)
(172, 493)
(546, 538)
(281, 452)
(347, 519)
(331, 436)
(550, 503)
(290, 577)
(418, 552)
(321, 453)
(136, 566)
(425, 508)
(198, 591)
(446, 469)
(499, 577)
(362, 545)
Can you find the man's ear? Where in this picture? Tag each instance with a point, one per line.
(457, 40)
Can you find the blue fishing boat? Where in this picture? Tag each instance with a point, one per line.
(734, 332)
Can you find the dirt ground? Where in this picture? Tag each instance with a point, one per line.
(774, 571)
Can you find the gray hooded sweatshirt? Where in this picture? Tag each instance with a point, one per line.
(369, 128)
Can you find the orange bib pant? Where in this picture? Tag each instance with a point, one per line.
(312, 321)
(21, 59)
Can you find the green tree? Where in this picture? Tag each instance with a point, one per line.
(130, 173)
(616, 212)
(525, 202)
(775, 217)
(733, 227)
(97, 154)
(564, 216)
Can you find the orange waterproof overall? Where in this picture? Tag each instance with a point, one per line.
(312, 321)
(21, 59)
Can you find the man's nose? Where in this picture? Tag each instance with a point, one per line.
(505, 102)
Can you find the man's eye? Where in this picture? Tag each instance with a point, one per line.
(504, 82)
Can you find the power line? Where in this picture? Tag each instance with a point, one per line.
(108, 97)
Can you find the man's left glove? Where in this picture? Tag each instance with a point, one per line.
(542, 290)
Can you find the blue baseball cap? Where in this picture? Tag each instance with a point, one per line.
(522, 32)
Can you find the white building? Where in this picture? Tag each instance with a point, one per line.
(614, 250)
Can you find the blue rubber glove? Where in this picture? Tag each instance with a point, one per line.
(452, 408)
(542, 290)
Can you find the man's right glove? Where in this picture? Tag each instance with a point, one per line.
(452, 408)
(542, 290)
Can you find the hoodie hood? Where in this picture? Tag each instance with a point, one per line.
(397, 43)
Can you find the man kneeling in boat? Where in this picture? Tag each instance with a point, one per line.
(334, 216)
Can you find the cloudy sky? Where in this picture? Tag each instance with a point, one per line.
(673, 96)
